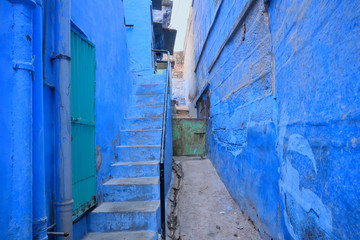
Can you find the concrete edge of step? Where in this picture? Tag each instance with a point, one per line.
(142, 163)
(132, 181)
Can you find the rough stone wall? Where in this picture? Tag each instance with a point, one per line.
(316, 56)
(163, 16)
(283, 101)
(178, 70)
(189, 66)
(177, 76)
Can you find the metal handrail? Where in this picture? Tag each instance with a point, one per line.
(166, 102)
(162, 153)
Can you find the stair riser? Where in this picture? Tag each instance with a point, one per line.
(148, 100)
(134, 221)
(140, 138)
(149, 89)
(115, 193)
(156, 236)
(137, 154)
(146, 123)
(143, 235)
(145, 112)
(130, 171)
(151, 79)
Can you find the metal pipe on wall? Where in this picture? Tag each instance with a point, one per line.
(39, 206)
(63, 170)
(20, 223)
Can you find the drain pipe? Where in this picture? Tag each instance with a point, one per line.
(63, 177)
(20, 143)
(39, 211)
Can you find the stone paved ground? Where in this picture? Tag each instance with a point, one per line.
(205, 209)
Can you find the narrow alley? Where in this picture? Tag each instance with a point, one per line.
(179, 120)
(205, 209)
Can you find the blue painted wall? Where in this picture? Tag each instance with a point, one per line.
(113, 85)
(113, 80)
(16, 66)
(113, 76)
(283, 131)
(118, 49)
(139, 36)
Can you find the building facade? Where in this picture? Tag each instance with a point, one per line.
(68, 71)
(278, 83)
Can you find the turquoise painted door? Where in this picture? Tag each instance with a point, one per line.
(83, 124)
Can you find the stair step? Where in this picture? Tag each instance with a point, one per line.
(149, 100)
(147, 76)
(132, 181)
(154, 79)
(149, 89)
(125, 216)
(140, 137)
(182, 111)
(145, 111)
(131, 189)
(137, 153)
(135, 169)
(122, 236)
(143, 123)
(143, 71)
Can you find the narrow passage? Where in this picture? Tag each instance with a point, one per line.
(205, 209)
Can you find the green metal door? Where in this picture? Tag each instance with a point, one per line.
(83, 124)
(188, 136)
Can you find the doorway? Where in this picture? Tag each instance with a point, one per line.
(83, 124)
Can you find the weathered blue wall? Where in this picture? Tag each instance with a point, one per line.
(283, 130)
(5, 123)
(113, 76)
(113, 84)
(139, 36)
(16, 66)
(316, 46)
(113, 79)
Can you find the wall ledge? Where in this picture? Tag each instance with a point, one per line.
(31, 3)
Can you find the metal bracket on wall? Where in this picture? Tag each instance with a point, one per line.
(62, 56)
(24, 65)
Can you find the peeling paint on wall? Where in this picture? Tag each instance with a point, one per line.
(284, 111)
(98, 157)
(315, 215)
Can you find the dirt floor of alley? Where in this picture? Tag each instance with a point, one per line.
(201, 207)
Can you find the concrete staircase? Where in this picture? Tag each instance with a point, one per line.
(131, 198)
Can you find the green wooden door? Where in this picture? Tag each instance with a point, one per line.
(83, 124)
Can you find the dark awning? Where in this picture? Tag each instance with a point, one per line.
(156, 4)
(157, 28)
(158, 35)
(169, 39)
